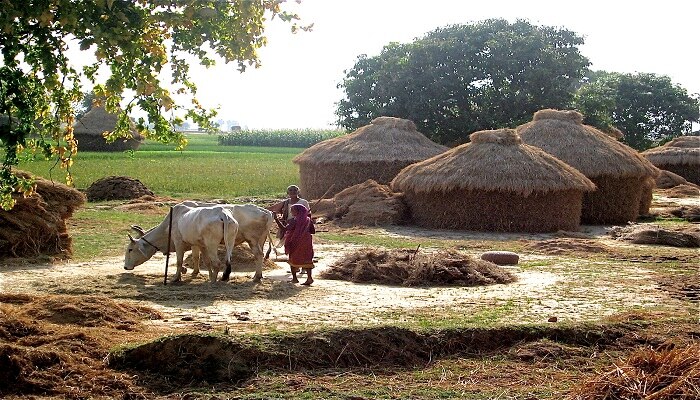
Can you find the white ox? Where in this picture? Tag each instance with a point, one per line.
(197, 229)
(254, 224)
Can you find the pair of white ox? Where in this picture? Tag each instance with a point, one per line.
(201, 227)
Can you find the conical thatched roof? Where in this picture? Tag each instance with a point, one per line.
(495, 160)
(681, 150)
(594, 153)
(98, 120)
(384, 139)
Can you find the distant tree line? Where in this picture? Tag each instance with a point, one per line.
(492, 74)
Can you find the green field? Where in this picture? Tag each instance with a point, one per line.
(204, 170)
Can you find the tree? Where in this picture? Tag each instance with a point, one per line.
(464, 78)
(135, 41)
(649, 109)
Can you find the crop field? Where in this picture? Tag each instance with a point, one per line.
(203, 170)
(587, 313)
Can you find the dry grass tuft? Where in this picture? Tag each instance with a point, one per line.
(648, 374)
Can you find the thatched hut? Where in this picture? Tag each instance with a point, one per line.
(376, 151)
(88, 131)
(36, 225)
(680, 156)
(618, 171)
(494, 183)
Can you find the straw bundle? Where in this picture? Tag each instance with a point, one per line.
(680, 156)
(88, 131)
(36, 225)
(376, 151)
(494, 183)
(618, 171)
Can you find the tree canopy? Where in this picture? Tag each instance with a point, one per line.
(464, 78)
(141, 49)
(649, 109)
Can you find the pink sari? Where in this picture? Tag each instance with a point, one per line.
(298, 243)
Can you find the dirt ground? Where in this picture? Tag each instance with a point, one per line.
(570, 287)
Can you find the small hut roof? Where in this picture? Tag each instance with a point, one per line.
(98, 120)
(384, 139)
(495, 160)
(681, 150)
(594, 153)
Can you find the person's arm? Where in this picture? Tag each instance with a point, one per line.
(277, 207)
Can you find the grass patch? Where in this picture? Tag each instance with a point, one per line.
(204, 170)
(99, 233)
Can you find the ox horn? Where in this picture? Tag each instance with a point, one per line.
(138, 229)
(131, 238)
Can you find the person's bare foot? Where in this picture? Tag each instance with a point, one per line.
(308, 282)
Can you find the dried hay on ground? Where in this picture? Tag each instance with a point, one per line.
(688, 213)
(147, 204)
(242, 260)
(117, 188)
(648, 374)
(409, 268)
(36, 225)
(680, 191)
(367, 203)
(565, 246)
(654, 234)
(55, 345)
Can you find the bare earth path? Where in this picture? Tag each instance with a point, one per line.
(568, 288)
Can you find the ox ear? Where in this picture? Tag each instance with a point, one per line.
(138, 229)
(131, 238)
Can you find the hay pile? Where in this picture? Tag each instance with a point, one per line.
(89, 130)
(37, 224)
(376, 151)
(648, 374)
(680, 156)
(117, 188)
(411, 268)
(654, 234)
(617, 170)
(368, 203)
(54, 346)
(668, 179)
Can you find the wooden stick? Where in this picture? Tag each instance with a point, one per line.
(321, 198)
(167, 253)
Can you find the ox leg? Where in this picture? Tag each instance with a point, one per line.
(180, 258)
(196, 260)
(213, 263)
(259, 259)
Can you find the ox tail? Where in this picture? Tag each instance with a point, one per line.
(272, 245)
(229, 242)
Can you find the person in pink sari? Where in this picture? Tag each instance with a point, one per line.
(298, 243)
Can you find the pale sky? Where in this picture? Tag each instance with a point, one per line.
(296, 85)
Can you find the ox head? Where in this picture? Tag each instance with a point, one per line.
(136, 253)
